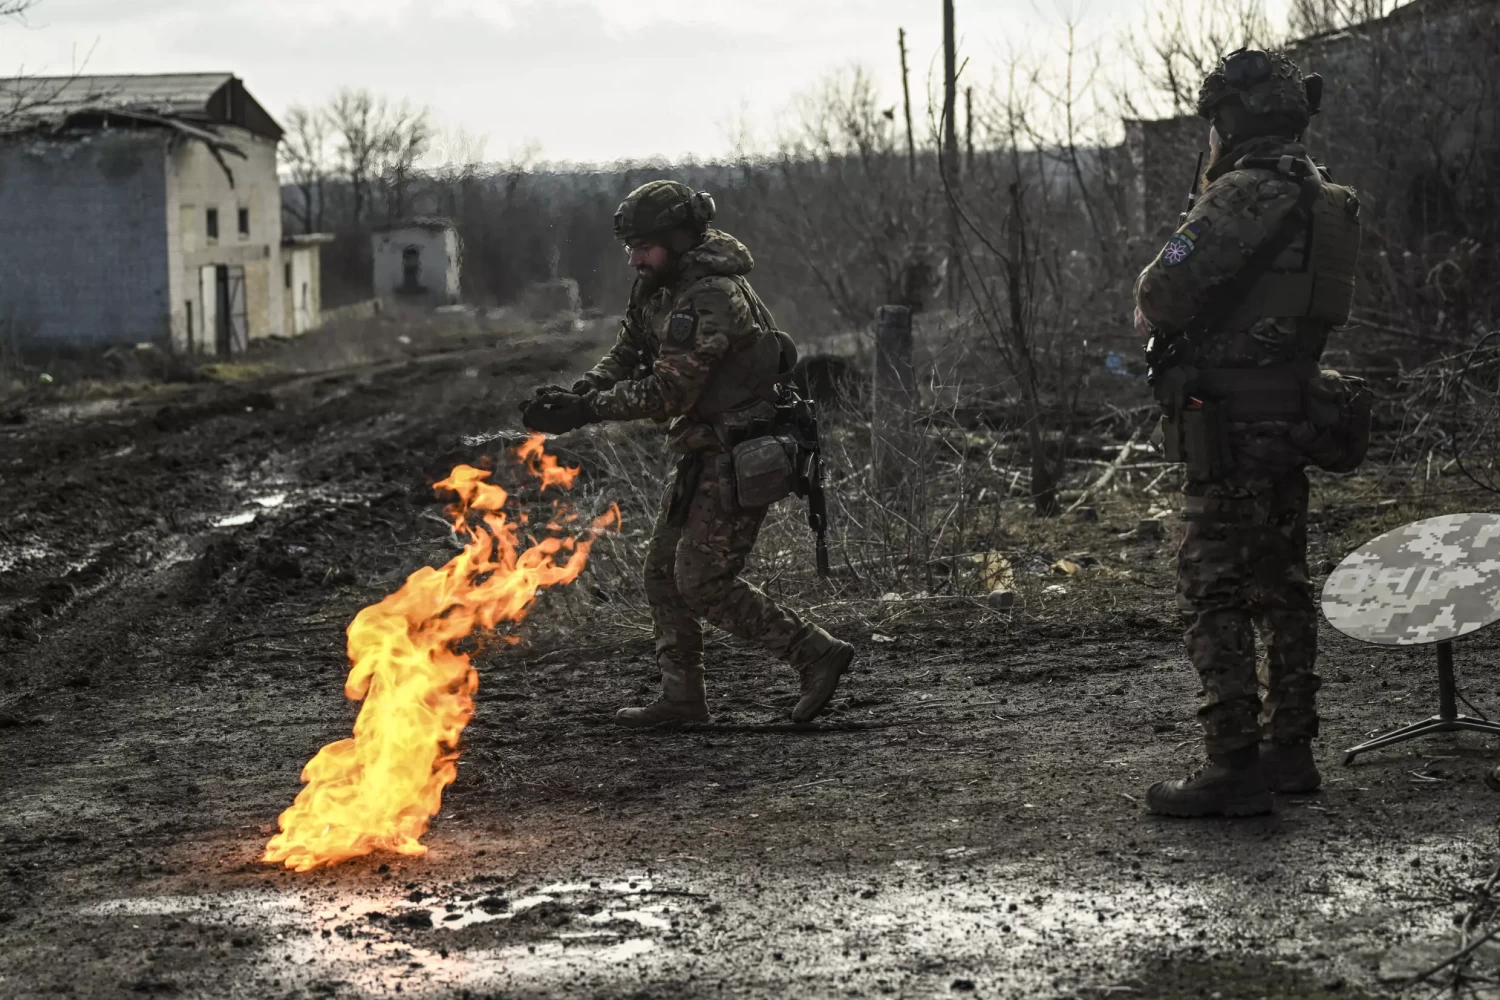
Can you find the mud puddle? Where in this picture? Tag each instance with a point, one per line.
(380, 941)
(957, 921)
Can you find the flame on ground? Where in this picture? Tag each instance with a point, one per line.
(378, 790)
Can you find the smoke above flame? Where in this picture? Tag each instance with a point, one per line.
(378, 790)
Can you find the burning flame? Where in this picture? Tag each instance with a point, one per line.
(378, 790)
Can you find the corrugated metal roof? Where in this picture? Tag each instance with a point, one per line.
(185, 95)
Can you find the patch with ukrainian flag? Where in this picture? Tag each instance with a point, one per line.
(1182, 243)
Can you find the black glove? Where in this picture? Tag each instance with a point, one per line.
(558, 412)
(549, 389)
(583, 386)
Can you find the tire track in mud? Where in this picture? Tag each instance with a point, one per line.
(144, 469)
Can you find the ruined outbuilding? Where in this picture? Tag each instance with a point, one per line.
(146, 209)
(417, 262)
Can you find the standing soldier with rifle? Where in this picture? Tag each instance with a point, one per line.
(697, 346)
(1239, 305)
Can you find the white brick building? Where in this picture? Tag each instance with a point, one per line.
(146, 208)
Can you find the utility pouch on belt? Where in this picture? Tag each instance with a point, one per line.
(1336, 433)
(1205, 441)
(763, 470)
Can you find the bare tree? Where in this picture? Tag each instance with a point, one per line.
(843, 203)
(22, 95)
(911, 139)
(358, 119)
(1180, 43)
(304, 153)
(1317, 17)
(404, 136)
(1042, 241)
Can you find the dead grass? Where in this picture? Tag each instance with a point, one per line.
(963, 524)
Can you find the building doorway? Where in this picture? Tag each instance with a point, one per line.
(232, 329)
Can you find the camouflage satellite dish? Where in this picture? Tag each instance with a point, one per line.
(1430, 581)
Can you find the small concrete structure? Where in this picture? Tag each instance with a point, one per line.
(301, 279)
(416, 262)
(145, 208)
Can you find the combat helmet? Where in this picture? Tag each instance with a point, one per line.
(660, 207)
(1252, 92)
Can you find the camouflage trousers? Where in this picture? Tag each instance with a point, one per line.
(1242, 568)
(692, 574)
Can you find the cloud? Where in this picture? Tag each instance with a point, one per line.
(586, 79)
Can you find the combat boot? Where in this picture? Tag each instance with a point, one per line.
(683, 699)
(1228, 785)
(1288, 768)
(820, 660)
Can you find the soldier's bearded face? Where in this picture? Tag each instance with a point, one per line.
(1215, 145)
(648, 259)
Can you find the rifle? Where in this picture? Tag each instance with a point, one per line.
(1163, 353)
(1193, 189)
(809, 478)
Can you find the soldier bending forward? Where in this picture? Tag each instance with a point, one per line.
(697, 346)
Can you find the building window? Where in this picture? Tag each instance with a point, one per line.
(244, 222)
(190, 330)
(213, 223)
(286, 275)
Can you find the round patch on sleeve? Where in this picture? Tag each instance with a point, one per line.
(1177, 250)
(680, 327)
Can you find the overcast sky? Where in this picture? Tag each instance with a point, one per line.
(582, 80)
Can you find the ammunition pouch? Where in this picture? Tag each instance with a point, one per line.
(1198, 437)
(764, 470)
(773, 452)
(1336, 432)
(1202, 405)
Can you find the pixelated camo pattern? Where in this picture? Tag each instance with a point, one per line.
(1429, 581)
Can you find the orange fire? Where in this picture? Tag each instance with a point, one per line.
(378, 790)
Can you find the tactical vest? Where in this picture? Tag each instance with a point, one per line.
(751, 374)
(1319, 287)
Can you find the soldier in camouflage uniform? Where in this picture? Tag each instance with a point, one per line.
(1242, 566)
(699, 348)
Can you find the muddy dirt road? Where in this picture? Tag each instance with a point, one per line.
(175, 574)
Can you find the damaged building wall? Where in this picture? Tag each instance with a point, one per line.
(1428, 66)
(1433, 71)
(226, 243)
(1162, 154)
(83, 240)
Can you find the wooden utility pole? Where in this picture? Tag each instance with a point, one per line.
(950, 144)
(969, 131)
(895, 388)
(911, 141)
